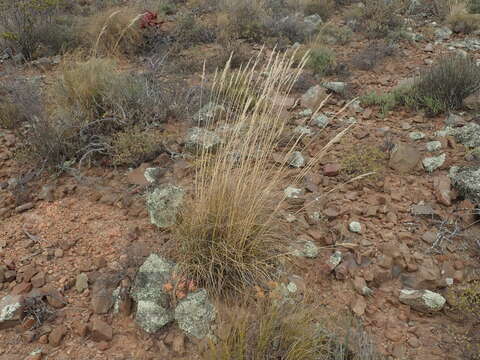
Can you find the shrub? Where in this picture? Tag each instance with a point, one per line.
(389, 101)
(332, 34)
(324, 8)
(189, 31)
(114, 31)
(474, 6)
(35, 27)
(464, 23)
(322, 61)
(468, 300)
(380, 17)
(10, 115)
(291, 27)
(231, 235)
(375, 52)
(134, 146)
(445, 85)
(369, 159)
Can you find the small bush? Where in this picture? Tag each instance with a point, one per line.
(114, 31)
(390, 100)
(363, 161)
(190, 31)
(332, 34)
(468, 300)
(134, 146)
(10, 115)
(322, 61)
(324, 8)
(35, 27)
(291, 27)
(464, 23)
(445, 85)
(380, 17)
(474, 6)
(375, 52)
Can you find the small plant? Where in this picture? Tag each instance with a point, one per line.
(10, 115)
(474, 6)
(464, 22)
(332, 34)
(379, 17)
(322, 61)
(134, 146)
(366, 160)
(375, 52)
(445, 85)
(468, 300)
(190, 31)
(324, 8)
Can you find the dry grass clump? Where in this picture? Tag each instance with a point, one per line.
(115, 30)
(464, 22)
(135, 145)
(366, 160)
(230, 237)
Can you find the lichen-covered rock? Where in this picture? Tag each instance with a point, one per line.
(153, 311)
(195, 314)
(433, 146)
(11, 307)
(467, 181)
(321, 121)
(305, 248)
(431, 164)
(416, 135)
(422, 300)
(296, 160)
(335, 86)
(313, 97)
(163, 205)
(443, 33)
(468, 135)
(209, 113)
(201, 140)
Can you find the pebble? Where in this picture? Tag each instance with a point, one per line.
(355, 227)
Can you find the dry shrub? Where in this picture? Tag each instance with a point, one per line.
(324, 8)
(10, 115)
(380, 17)
(114, 31)
(464, 22)
(332, 34)
(230, 236)
(474, 6)
(366, 160)
(189, 30)
(445, 85)
(136, 145)
(374, 53)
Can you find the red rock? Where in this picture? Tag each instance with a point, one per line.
(56, 336)
(442, 188)
(103, 345)
(136, 177)
(101, 331)
(404, 158)
(38, 280)
(21, 288)
(359, 305)
(331, 169)
(80, 328)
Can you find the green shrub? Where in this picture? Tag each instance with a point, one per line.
(35, 27)
(322, 61)
(446, 84)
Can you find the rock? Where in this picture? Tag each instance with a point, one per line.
(416, 135)
(305, 248)
(355, 227)
(428, 276)
(38, 280)
(442, 186)
(321, 121)
(422, 209)
(428, 47)
(433, 146)
(454, 120)
(201, 140)
(359, 305)
(81, 282)
(334, 260)
(443, 33)
(195, 314)
(422, 300)
(296, 160)
(153, 175)
(208, 114)
(335, 86)
(163, 205)
(47, 193)
(361, 287)
(472, 102)
(178, 344)
(137, 177)
(293, 192)
(467, 181)
(356, 107)
(24, 207)
(468, 135)
(153, 311)
(312, 22)
(11, 308)
(303, 131)
(101, 331)
(404, 158)
(331, 170)
(432, 163)
(313, 97)
(56, 336)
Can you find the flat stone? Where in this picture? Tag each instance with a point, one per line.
(101, 331)
(433, 146)
(81, 282)
(56, 336)
(355, 227)
(201, 140)
(335, 86)
(163, 205)
(431, 164)
(404, 158)
(313, 97)
(331, 170)
(195, 314)
(416, 135)
(296, 160)
(422, 300)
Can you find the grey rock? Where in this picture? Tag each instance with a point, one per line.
(163, 205)
(356, 107)
(293, 192)
(335, 86)
(422, 300)
(81, 282)
(467, 181)
(472, 101)
(11, 308)
(422, 209)
(209, 113)
(312, 23)
(305, 248)
(321, 121)
(152, 316)
(313, 97)
(201, 140)
(195, 314)
(433, 146)
(305, 113)
(152, 174)
(453, 120)
(432, 163)
(416, 135)
(443, 33)
(296, 160)
(468, 135)
(303, 130)
(355, 227)
(335, 260)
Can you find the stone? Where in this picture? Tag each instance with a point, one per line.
(38, 280)
(163, 205)
(195, 314)
(153, 311)
(11, 308)
(334, 260)
(468, 135)
(81, 282)
(101, 331)
(24, 207)
(472, 101)
(136, 176)
(56, 336)
(335, 86)
(431, 164)
(153, 174)
(102, 300)
(404, 158)
(321, 121)
(359, 305)
(355, 227)
(313, 98)
(47, 193)
(443, 33)
(467, 181)
(311, 23)
(305, 248)
(331, 170)
(454, 120)
(416, 135)
(428, 276)
(201, 140)
(293, 192)
(208, 114)
(428, 47)
(21, 288)
(442, 189)
(433, 146)
(422, 209)
(296, 160)
(361, 287)
(303, 131)
(422, 300)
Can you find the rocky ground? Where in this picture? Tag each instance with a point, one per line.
(389, 249)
